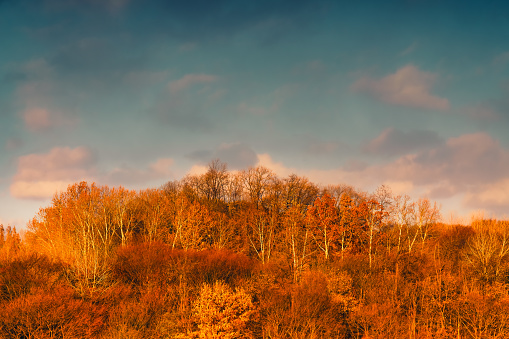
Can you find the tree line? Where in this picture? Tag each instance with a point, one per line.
(282, 257)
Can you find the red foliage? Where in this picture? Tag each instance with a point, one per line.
(50, 315)
(20, 276)
(157, 263)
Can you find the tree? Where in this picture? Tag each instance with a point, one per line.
(323, 221)
(154, 208)
(297, 239)
(257, 182)
(222, 313)
(427, 215)
(402, 216)
(374, 211)
(213, 185)
(260, 231)
(192, 222)
(299, 191)
(79, 228)
(488, 250)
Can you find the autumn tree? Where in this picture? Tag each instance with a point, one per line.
(213, 186)
(402, 216)
(261, 232)
(297, 239)
(323, 221)
(153, 211)
(488, 250)
(374, 211)
(191, 223)
(10, 242)
(222, 313)
(427, 215)
(299, 191)
(82, 227)
(351, 225)
(257, 182)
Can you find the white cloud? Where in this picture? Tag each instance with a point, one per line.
(409, 87)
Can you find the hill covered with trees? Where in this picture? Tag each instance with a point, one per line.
(250, 255)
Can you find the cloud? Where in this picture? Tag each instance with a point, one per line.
(410, 49)
(128, 176)
(189, 80)
(39, 176)
(396, 142)
(481, 112)
(236, 155)
(13, 143)
(471, 168)
(182, 108)
(40, 119)
(36, 119)
(322, 177)
(494, 196)
(408, 87)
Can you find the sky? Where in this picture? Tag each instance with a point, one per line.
(412, 94)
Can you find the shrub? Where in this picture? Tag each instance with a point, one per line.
(21, 275)
(221, 312)
(51, 314)
(156, 263)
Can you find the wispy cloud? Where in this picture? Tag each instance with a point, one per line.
(189, 80)
(408, 86)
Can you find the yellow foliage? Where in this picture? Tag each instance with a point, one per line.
(222, 313)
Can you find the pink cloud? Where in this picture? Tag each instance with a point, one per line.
(494, 196)
(37, 119)
(470, 169)
(190, 80)
(40, 119)
(39, 176)
(469, 159)
(407, 87)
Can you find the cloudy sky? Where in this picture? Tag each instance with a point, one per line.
(409, 93)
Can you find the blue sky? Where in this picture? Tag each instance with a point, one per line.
(411, 93)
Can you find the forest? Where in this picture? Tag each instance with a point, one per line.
(247, 254)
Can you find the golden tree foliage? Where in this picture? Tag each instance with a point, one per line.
(222, 313)
(82, 227)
